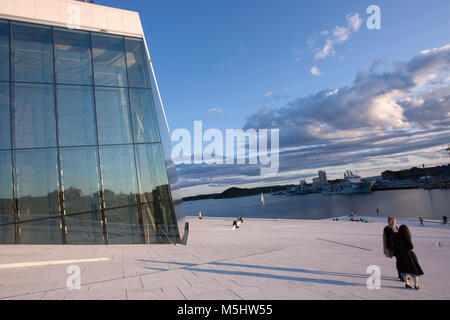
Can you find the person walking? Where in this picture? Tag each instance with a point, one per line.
(200, 214)
(421, 222)
(408, 263)
(388, 241)
(378, 212)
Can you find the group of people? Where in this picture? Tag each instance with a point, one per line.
(237, 222)
(397, 243)
(444, 221)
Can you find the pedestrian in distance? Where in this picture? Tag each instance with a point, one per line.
(421, 222)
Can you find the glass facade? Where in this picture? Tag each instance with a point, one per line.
(81, 159)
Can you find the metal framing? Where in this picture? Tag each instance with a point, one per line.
(61, 201)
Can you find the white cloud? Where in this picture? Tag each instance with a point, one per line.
(212, 112)
(330, 93)
(315, 71)
(326, 51)
(339, 34)
(354, 21)
(269, 94)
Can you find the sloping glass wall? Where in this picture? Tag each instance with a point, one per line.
(81, 158)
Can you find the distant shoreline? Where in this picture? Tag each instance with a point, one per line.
(242, 192)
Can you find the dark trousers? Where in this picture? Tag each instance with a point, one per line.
(398, 271)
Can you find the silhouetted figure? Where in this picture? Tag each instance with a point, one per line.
(444, 220)
(235, 224)
(388, 241)
(421, 222)
(200, 214)
(378, 212)
(406, 258)
(241, 219)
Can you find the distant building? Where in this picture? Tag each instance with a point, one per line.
(323, 178)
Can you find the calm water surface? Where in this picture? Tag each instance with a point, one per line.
(430, 204)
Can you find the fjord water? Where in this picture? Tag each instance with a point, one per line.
(430, 204)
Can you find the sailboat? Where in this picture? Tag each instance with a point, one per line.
(262, 199)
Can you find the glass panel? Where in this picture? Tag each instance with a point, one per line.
(34, 115)
(73, 57)
(113, 116)
(80, 178)
(36, 176)
(85, 228)
(32, 52)
(76, 116)
(145, 125)
(119, 176)
(7, 234)
(153, 183)
(4, 50)
(123, 226)
(109, 60)
(45, 231)
(159, 223)
(5, 129)
(136, 63)
(6, 195)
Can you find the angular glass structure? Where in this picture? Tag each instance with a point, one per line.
(81, 158)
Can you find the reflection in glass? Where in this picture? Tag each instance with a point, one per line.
(123, 226)
(7, 234)
(119, 176)
(80, 178)
(136, 63)
(113, 116)
(5, 129)
(159, 223)
(152, 176)
(45, 231)
(34, 115)
(73, 57)
(36, 177)
(76, 116)
(6, 195)
(109, 60)
(32, 53)
(4, 50)
(84, 228)
(143, 114)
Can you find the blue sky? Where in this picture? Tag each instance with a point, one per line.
(223, 62)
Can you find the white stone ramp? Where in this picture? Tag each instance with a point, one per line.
(263, 259)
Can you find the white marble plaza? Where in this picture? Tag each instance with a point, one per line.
(263, 259)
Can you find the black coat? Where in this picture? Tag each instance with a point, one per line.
(406, 258)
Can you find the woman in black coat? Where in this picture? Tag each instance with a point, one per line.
(408, 265)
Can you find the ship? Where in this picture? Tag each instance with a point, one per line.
(352, 184)
(301, 188)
